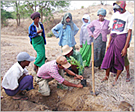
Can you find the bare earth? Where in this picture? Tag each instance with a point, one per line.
(15, 40)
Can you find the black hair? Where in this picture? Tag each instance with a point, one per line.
(58, 64)
(21, 61)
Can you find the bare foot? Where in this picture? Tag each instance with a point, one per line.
(114, 83)
(18, 97)
(105, 79)
(128, 77)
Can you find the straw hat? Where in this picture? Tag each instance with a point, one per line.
(63, 61)
(66, 49)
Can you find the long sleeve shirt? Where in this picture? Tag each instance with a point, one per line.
(50, 70)
(33, 32)
(103, 29)
(66, 36)
(84, 36)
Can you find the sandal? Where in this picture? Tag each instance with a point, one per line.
(105, 79)
(128, 79)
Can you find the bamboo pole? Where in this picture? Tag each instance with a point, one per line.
(93, 78)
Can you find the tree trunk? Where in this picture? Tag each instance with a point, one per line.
(17, 15)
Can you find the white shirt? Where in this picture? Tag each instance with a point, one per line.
(39, 28)
(121, 23)
(10, 79)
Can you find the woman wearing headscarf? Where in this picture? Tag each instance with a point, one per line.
(65, 31)
(37, 39)
(85, 40)
(100, 36)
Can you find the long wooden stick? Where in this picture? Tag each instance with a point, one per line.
(93, 78)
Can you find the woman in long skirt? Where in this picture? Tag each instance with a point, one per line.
(85, 40)
(100, 36)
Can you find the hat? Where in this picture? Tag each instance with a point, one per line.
(34, 15)
(22, 56)
(66, 49)
(63, 61)
(122, 4)
(102, 12)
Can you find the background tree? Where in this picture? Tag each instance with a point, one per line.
(45, 8)
(5, 14)
(23, 9)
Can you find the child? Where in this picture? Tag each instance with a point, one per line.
(85, 40)
(37, 39)
(65, 31)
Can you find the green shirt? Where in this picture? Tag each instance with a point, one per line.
(78, 57)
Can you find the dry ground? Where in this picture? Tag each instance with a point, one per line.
(15, 40)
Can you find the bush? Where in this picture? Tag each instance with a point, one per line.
(50, 34)
(82, 7)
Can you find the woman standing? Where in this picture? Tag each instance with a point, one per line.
(85, 40)
(37, 39)
(65, 31)
(100, 36)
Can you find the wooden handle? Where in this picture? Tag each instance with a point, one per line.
(93, 78)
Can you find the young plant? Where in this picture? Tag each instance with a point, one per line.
(80, 67)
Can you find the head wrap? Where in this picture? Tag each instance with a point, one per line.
(86, 16)
(34, 15)
(102, 12)
(65, 23)
(122, 4)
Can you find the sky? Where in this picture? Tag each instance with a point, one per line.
(78, 4)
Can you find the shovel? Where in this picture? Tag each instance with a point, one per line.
(93, 78)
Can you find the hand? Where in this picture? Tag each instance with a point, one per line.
(81, 46)
(40, 31)
(80, 86)
(79, 77)
(124, 52)
(107, 47)
(92, 36)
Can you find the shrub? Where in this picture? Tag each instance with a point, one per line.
(50, 34)
(82, 7)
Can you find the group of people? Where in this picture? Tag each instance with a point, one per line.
(110, 58)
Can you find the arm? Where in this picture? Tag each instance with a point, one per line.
(129, 26)
(56, 29)
(71, 84)
(32, 31)
(73, 74)
(76, 29)
(19, 80)
(109, 29)
(109, 42)
(89, 29)
(43, 32)
(124, 50)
